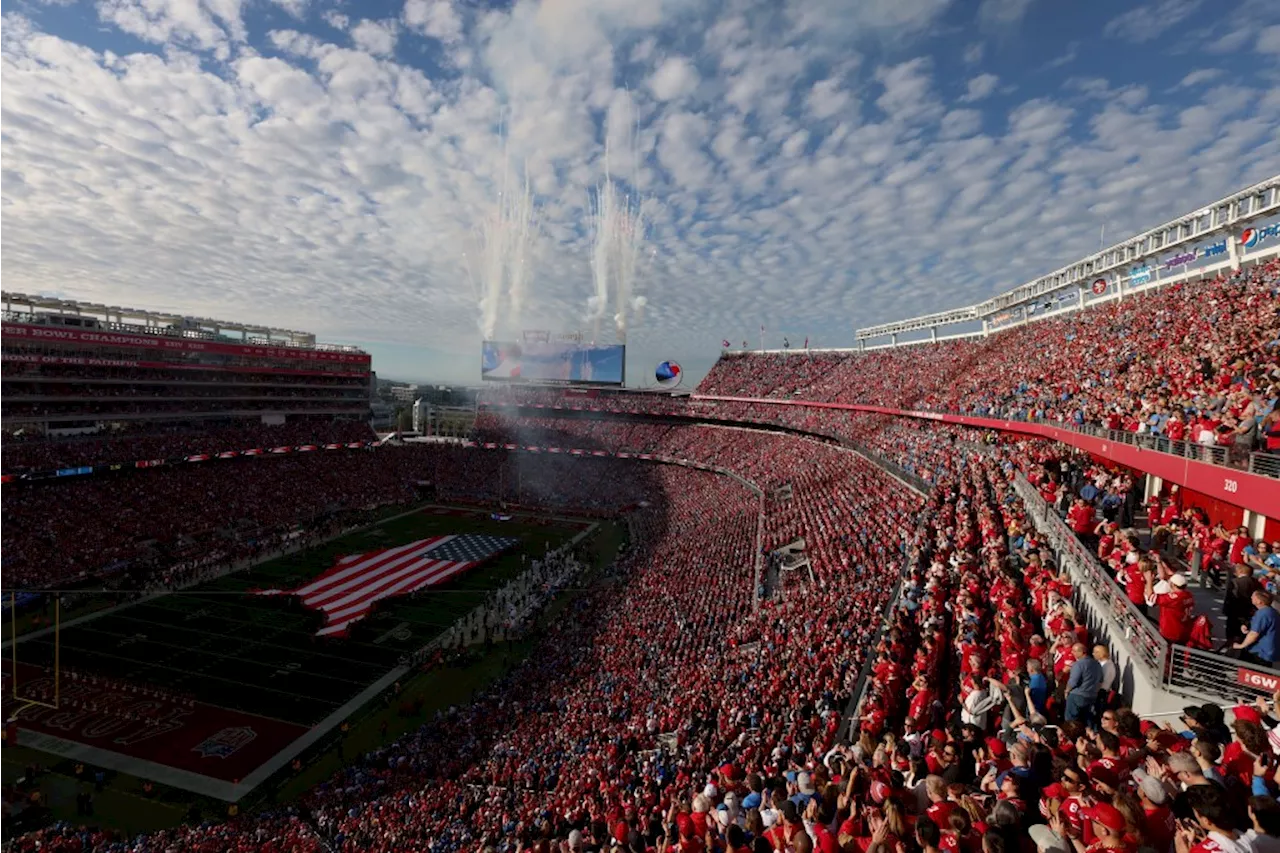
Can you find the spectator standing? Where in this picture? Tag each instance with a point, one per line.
(1107, 684)
(1177, 607)
(1260, 643)
(1237, 601)
(1083, 684)
(1080, 517)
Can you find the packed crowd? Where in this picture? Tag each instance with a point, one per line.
(678, 710)
(66, 392)
(35, 452)
(1180, 545)
(184, 521)
(1197, 361)
(19, 369)
(634, 661)
(76, 410)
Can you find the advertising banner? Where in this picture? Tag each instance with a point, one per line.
(1251, 238)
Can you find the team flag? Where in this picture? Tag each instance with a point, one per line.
(347, 592)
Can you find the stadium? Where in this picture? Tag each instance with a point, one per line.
(981, 579)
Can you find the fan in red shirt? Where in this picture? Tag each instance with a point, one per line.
(1239, 541)
(1109, 828)
(820, 816)
(1134, 576)
(1158, 821)
(940, 807)
(1177, 607)
(1080, 517)
(1106, 539)
(922, 701)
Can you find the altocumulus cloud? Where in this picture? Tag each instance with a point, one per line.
(322, 166)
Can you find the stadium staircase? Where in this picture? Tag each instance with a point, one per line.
(1156, 676)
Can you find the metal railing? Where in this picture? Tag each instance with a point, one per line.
(1176, 667)
(1208, 674)
(1151, 649)
(853, 710)
(1255, 462)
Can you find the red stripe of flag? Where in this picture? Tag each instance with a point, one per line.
(348, 591)
(345, 570)
(433, 573)
(387, 574)
(423, 573)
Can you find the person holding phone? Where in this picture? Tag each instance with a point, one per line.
(1210, 830)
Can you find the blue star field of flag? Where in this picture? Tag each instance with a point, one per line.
(472, 547)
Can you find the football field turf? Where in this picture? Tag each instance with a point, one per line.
(258, 675)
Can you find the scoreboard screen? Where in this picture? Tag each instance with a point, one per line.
(553, 363)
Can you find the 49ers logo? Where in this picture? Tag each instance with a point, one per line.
(226, 742)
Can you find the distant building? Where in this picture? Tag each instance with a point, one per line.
(404, 393)
(384, 415)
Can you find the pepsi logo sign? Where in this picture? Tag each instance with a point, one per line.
(1251, 237)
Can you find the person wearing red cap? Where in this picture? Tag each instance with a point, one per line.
(1109, 828)
(689, 841)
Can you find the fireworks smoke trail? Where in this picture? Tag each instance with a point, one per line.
(618, 242)
(501, 276)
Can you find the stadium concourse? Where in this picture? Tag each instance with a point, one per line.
(711, 699)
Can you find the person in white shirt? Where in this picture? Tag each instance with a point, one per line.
(1108, 683)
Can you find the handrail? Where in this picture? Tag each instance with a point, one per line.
(1250, 490)
(1151, 649)
(1266, 464)
(1171, 665)
(853, 710)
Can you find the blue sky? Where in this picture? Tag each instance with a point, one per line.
(809, 165)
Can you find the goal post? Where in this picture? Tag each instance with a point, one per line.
(24, 702)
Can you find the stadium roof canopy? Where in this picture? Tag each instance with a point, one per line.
(1120, 268)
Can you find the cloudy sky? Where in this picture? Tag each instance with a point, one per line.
(808, 165)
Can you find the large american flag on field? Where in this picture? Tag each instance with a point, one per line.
(348, 591)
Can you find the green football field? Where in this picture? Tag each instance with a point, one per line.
(226, 647)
